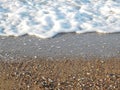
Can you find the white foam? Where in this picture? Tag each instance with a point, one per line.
(47, 18)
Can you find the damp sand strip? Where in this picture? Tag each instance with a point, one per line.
(64, 45)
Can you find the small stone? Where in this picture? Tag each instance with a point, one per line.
(88, 73)
(28, 86)
(35, 57)
(43, 78)
(102, 61)
(50, 80)
(78, 79)
(25, 44)
(58, 84)
(73, 77)
(58, 47)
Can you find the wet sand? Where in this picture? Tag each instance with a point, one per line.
(65, 45)
(66, 62)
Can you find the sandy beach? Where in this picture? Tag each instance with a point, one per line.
(66, 62)
(59, 44)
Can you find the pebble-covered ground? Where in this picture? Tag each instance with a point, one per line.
(68, 74)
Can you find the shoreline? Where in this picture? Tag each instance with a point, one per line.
(61, 46)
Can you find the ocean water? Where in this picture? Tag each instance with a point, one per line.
(47, 18)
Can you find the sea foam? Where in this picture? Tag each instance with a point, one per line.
(47, 18)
